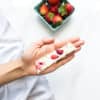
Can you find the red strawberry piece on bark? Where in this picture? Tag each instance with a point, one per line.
(44, 9)
(59, 51)
(39, 65)
(53, 57)
(69, 8)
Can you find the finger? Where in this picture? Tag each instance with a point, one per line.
(73, 39)
(49, 48)
(58, 64)
(79, 43)
(48, 40)
(64, 42)
(56, 45)
(78, 49)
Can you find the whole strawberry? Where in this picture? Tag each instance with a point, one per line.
(54, 9)
(69, 8)
(49, 16)
(57, 20)
(54, 2)
(44, 9)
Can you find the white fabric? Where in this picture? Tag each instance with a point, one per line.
(28, 88)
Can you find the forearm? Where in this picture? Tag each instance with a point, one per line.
(11, 71)
(11, 76)
(10, 66)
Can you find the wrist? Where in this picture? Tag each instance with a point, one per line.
(22, 67)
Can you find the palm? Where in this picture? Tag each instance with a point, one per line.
(44, 47)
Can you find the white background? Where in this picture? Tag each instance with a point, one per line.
(79, 79)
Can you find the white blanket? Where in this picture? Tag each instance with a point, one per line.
(28, 88)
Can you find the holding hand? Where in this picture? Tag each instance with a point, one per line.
(44, 47)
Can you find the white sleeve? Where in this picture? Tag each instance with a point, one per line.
(3, 24)
(7, 31)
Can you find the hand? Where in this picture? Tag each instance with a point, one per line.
(43, 47)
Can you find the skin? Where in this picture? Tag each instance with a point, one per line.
(46, 46)
(25, 65)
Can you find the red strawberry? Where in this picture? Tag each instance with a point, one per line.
(54, 8)
(49, 16)
(57, 19)
(59, 51)
(43, 9)
(69, 8)
(54, 56)
(54, 2)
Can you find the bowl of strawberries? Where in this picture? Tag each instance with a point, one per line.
(54, 13)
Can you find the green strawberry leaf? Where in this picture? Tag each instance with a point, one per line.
(51, 15)
(62, 10)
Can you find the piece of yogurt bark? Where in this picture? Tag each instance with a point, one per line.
(53, 57)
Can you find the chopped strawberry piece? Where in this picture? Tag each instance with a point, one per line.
(41, 63)
(54, 57)
(59, 51)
